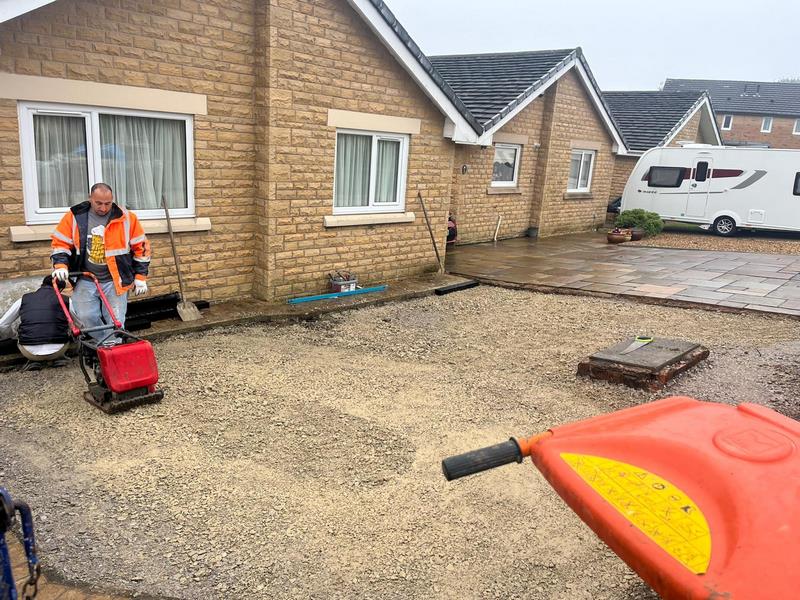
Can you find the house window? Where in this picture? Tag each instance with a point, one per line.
(370, 172)
(727, 122)
(666, 177)
(505, 168)
(581, 166)
(142, 156)
(796, 130)
(766, 125)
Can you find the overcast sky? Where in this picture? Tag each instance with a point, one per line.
(630, 44)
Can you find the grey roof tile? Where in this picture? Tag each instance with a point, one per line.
(647, 118)
(490, 84)
(745, 97)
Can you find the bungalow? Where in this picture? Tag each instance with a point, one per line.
(289, 140)
(650, 119)
(550, 164)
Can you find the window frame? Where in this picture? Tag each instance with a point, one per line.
(517, 160)
(402, 174)
(730, 123)
(678, 184)
(91, 114)
(796, 130)
(583, 153)
(763, 121)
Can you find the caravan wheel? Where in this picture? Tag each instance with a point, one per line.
(724, 226)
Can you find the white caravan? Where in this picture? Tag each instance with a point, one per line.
(724, 188)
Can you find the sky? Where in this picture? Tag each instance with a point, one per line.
(630, 45)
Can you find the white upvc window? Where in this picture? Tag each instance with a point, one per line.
(370, 172)
(727, 122)
(581, 166)
(766, 125)
(796, 130)
(505, 166)
(141, 155)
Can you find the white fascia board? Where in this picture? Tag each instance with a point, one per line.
(486, 138)
(462, 130)
(10, 9)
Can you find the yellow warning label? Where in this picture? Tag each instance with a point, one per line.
(656, 507)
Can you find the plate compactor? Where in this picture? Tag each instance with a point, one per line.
(120, 368)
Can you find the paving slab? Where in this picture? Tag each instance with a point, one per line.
(585, 263)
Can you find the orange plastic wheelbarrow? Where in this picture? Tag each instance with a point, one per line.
(702, 500)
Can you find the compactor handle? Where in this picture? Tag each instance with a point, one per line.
(482, 459)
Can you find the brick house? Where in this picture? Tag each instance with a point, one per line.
(549, 167)
(289, 140)
(751, 113)
(648, 119)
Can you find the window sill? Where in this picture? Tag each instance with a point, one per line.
(578, 196)
(38, 233)
(499, 189)
(368, 219)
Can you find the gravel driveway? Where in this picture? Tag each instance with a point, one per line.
(690, 237)
(302, 461)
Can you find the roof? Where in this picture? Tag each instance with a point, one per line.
(745, 97)
(647, 118)
(489, 83)
(495, 87)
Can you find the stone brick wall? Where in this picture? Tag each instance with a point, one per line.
(196, 46)
(747, 128)
(623, 165)
(689, 132)
(574, 119)
(321, 56)
(476, 205)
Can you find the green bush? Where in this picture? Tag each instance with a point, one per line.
(638, 217)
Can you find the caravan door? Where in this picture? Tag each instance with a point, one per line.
(697, 197)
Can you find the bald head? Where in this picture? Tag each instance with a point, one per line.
(101, 198)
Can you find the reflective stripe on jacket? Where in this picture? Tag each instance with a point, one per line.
(127, 248)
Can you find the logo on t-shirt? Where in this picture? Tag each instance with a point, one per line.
(97, 246)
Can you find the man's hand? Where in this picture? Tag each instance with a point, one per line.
(61, 274)
(140, 287)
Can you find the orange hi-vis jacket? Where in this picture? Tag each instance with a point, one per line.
(126, 246)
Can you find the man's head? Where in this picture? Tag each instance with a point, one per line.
(101, 197)
(48, 282)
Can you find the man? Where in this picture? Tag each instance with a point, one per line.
(100, 237)
(39, 323)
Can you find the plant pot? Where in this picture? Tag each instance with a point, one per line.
(618, 237)
(637, 233)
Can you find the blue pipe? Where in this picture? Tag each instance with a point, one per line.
(377, 288)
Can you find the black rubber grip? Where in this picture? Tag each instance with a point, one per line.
(481, 460)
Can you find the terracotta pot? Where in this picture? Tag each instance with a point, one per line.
(618, 238)
(637, 233)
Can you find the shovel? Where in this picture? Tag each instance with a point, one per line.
(187, 311)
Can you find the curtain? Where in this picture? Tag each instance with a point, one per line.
(387, 171)
(353, 154)
(574, 169)
(143, 159)
(61, 167)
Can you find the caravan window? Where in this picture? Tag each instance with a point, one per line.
(701, 172)
(797, 184)
(665, 177)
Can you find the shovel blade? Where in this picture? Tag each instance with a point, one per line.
(187, 311)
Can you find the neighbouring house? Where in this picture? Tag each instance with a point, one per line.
(751, 113)
(549, 167)
(289, 140)
(648, 119)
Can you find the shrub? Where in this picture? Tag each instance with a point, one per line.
(638, 217)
